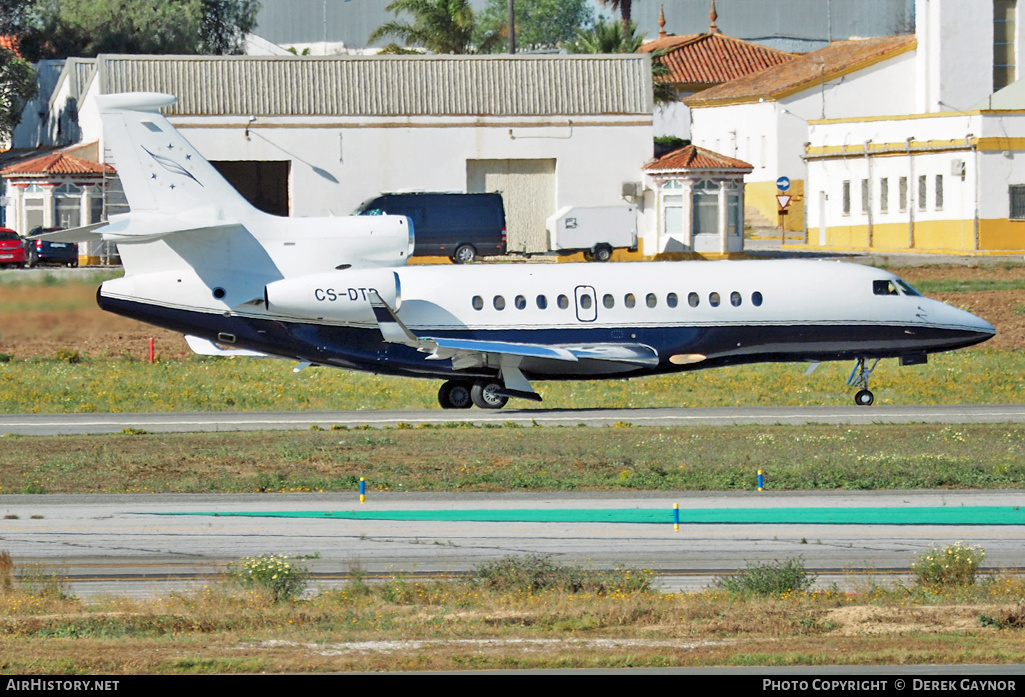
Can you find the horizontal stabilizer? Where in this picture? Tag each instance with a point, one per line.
(76, 234)
(205, 347)
(142, 227)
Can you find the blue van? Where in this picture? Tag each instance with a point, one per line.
(459, 226)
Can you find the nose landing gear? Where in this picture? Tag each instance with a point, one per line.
(859, 378)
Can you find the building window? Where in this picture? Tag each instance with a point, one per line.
(923, 183)
(902, 186)
(1017, 202)
(884, 195)
(938, 194)
(866, 197)
(1004, 58)
(734, 210)
(705, 199)
(846, 198)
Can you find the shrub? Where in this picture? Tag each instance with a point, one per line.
(953, 565)
(536, 573)
(775, 578)
(69, 356)
(284, 580)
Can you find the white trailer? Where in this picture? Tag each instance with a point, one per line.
(594, 230)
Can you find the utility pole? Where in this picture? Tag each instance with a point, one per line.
(512, 28)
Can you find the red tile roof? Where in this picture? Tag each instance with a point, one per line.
(10, 43)
(56, 163)
(712, 58)
(835, 60)
(693, 157)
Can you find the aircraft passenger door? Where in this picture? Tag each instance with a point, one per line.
(587, 305)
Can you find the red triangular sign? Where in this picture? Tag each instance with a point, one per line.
(784, 201)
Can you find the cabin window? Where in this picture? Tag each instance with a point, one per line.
(608, 301)
(735, 299)
(563, 302)
(693, 300)
(499, 302)
(629, 300)
(908, 290)
(585, 301)
(713, 299)
(521, 302)
(478, 302)
(651, 300)
(884, 288)
(542, 302)
(671, 300)
(756, 299)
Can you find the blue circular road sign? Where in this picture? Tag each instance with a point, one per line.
(783, 183)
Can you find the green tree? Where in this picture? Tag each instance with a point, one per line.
(17, 86)
(63, 28)
(540, 24)
(225, 25)
(439, 26)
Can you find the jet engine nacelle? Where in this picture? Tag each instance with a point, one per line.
(342, 296)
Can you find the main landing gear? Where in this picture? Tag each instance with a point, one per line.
(859, 378)
(462, 394)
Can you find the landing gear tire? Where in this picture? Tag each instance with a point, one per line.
(602, 252)
(483, 394)
(464, 254)
(864, 398)
(455, 394)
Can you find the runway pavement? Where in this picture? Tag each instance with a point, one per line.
(72, 424)
(130, 544)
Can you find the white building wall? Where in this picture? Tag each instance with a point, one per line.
(335, 166)
(955, 54)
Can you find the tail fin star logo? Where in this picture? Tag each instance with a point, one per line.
(170, 165)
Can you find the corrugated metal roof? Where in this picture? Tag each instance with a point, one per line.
(388, 85)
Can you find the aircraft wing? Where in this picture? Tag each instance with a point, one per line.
(205, 347)
(469, 353)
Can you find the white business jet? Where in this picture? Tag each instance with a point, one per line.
(337, 292)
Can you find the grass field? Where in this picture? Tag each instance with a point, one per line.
(128, 385)
(521, 459)
(526, 618)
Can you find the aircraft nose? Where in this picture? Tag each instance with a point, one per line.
(972, 329)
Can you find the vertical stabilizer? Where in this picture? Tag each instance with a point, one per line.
(160, 170)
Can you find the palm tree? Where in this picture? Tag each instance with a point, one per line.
(612, 37)
(624, 7)
(439, 26)
(608, 37)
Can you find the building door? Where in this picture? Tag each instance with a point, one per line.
(528, 194)
(263, 183)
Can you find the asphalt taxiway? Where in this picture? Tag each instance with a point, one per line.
(76, 424)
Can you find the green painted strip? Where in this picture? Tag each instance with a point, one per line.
(959, 515)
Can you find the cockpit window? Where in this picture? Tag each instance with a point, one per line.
(884, 288)
(908, 290)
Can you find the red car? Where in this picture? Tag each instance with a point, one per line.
(11, 250)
